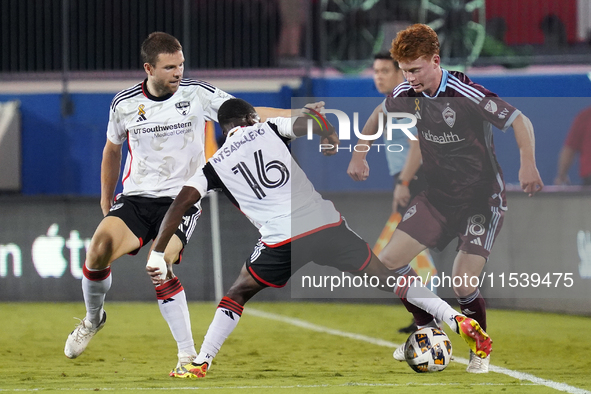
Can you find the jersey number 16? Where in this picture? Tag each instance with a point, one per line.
(262, 173)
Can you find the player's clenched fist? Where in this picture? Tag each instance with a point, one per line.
(358, 169)
(530, 180)
(317, 106)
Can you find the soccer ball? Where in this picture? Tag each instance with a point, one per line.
(428, 350)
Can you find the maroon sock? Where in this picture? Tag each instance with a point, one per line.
(422, 317)
(474, 306)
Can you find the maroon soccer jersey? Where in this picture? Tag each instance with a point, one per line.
(455, 135)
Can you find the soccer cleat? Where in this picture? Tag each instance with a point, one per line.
(184, 359)
(81, 336)
(477, 364)
(478, 340)
(399, 352)
(190, 370)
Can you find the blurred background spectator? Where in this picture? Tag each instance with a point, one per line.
(578, 142)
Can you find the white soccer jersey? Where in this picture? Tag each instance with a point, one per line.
(165, 135)
(256, 171)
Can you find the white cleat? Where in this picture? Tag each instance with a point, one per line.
(399, 352)
(185, 358)
(79, 339)
(477, 364)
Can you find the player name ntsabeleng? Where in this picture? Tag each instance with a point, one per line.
(234, 146)
(179, 128)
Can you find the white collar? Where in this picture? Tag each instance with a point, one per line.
(234, 130)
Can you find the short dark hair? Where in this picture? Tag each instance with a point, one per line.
(386, 56)
(234, 108)
(157, 43)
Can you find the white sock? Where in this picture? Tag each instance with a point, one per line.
(203, 357)
(424, 298)
(224, 321)
(95, 285)
(172, 302)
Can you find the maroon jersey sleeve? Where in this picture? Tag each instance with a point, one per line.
(490, 106)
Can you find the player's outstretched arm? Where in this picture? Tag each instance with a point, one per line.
(529, 177)
(110, 168)
(269, 112)
(156, 266)
(329, 138)
(358, 168)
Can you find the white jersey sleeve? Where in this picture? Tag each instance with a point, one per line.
(199, 182)
(284, 127)
(116, 129)
(212, 99)
(115, 133)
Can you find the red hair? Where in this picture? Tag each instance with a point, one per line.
(414, 42)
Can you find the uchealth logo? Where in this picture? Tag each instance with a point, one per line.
(47, 255)
(394, 123)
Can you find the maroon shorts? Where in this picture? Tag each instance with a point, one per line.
(475, 225)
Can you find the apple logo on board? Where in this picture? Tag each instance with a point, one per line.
(47, 254)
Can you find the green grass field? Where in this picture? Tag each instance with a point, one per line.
(135, 351)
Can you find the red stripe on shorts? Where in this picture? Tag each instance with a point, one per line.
(258, 278)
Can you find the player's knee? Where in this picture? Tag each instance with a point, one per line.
(243, 289)
(99, 252)
(391, 262)
(239, 294)
(463, 290)
(240, 289)
(171, 257)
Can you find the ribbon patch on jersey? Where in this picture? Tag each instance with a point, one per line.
(183, 107)
(449, 115)
(141, 113)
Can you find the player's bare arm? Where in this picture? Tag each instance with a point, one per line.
(529, 177)
(187, 197)
(328, 134)
(156, 267)
(411, 166)
(110, 168)
(268, 112)
(358, 167)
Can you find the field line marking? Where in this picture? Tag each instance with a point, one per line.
(295, 386)
(380, 342)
